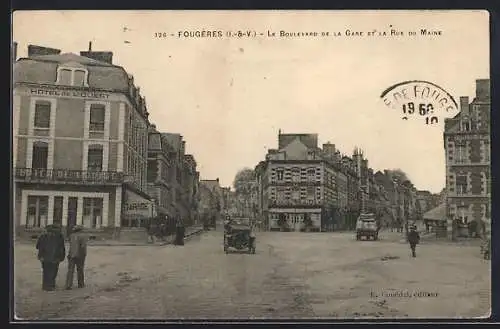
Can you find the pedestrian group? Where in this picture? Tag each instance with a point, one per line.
(52, 251)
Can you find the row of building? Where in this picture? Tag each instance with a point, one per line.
(302, 186)
(85, 151)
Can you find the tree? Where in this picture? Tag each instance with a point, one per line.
(244, 181)
(398, 174)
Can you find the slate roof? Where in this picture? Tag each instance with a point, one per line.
(175, 140)
(309, 140)
(438, 213)
(43, 70)
(70, 57)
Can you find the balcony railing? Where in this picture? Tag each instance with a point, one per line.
(68, 176)
(301, 202)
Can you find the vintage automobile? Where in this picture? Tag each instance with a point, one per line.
(366, 226)
(238, 234)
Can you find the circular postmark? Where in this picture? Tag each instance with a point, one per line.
(420, 100)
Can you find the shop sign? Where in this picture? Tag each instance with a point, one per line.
(135, 205)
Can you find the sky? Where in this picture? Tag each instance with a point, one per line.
(229, 96)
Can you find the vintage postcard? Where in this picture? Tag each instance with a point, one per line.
(236, 165)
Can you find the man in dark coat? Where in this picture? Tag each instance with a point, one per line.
(51, 252)
(179, 232)
(413, 239)
(76, 257)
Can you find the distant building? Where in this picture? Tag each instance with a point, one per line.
(300, 185)
(172, 197)
(468, 161)
(80, 143)
(212, 198)
(184, 178)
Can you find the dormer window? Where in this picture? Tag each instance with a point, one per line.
(465, 125)
(71, 76)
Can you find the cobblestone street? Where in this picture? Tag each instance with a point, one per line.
(292, 275)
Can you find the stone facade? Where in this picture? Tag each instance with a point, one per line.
(468, 162)
(174, 194)
(80, 142)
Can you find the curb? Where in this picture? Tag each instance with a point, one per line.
(142, 244)
(185, 237)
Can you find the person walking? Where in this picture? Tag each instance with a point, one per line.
(51, 252)
(179, 232)
(152, 229)
(413, 239)
(76, 257)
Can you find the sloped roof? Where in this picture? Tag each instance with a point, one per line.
(70, 57)
(212, 184)
(438, 213)
(175, 140)
(310, 140)
(43, 70)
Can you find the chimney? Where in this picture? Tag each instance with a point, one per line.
(329, 149)
(464, 105)
(34, 50)
(101, 56)
(483, 89)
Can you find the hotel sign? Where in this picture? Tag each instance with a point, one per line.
(59, 92)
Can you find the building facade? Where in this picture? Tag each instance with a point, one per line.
(468, 162)
(302, 186)
(175, 192)
(300, 182)
(214, 199)
(80, 142)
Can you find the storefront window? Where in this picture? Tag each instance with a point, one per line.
(92, 212)
(58, 210)
(38, 208)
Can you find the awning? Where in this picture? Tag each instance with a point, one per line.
(437, 214)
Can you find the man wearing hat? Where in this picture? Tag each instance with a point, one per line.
(76, 257)
(413, 239)
(51, 252)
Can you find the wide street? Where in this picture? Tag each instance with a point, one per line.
(292, 275)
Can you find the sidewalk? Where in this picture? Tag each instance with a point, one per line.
(190, 232)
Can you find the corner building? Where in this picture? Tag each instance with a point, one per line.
(468, 162)
(80, 143)
(300, 182)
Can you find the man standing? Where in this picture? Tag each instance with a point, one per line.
(179, 234)
(413, 239)
(76, 257)
(152, 229)
(51, 252)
